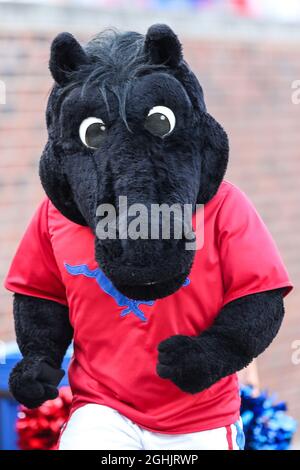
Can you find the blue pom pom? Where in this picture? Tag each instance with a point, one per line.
(266, 424)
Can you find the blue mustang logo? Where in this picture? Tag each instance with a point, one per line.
(132, 306)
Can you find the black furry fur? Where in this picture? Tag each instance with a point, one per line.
(119, 78)
(43, 334)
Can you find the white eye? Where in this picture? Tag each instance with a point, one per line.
(160, 121)
(92, 131)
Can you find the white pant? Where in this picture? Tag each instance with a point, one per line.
(98, 427)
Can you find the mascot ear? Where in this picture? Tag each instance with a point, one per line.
(162, 46)
(66, 56)
(214, 152)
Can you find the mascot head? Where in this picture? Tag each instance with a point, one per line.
(126, 118)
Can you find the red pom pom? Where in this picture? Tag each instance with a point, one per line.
(39, 429)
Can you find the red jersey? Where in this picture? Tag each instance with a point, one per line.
(116, 338)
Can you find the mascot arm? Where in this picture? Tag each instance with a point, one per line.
(43, 335)
(244, 329)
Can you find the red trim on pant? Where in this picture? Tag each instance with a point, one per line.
(229, 437)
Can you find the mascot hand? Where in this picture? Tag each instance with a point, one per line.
(183, 360)
(33, 381)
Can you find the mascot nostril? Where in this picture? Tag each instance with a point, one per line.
(157, 312)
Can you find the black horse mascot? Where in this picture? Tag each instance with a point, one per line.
(160, 325)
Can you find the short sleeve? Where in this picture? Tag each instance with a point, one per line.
(34, 270)
(250, 260)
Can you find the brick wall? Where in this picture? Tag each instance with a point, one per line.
(247, 84)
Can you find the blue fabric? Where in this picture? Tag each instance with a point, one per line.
(266, 424)
(240, 436)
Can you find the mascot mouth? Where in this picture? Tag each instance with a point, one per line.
(148, 274)
(155, 289)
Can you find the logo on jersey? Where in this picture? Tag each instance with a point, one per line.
(131, 306)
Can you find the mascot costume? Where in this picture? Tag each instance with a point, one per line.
(159, 331)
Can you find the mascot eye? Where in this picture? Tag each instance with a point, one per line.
(160, 121)
(92, 131)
